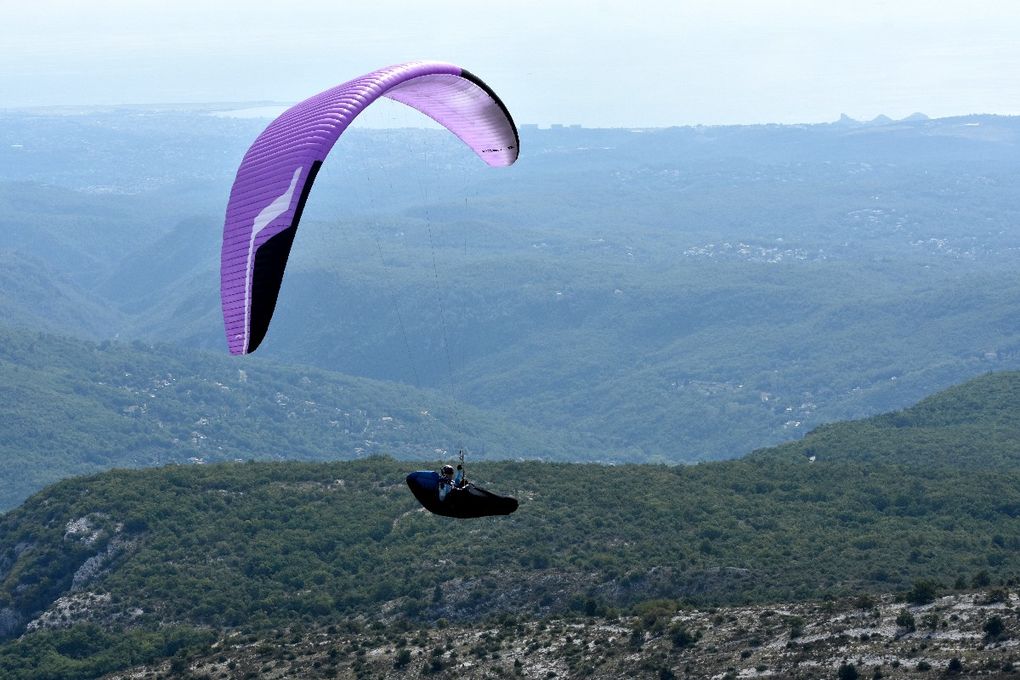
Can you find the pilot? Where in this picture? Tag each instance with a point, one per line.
(448, 481)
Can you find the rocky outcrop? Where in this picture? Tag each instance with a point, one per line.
(95, 565)
(54, 592)
(866, 637)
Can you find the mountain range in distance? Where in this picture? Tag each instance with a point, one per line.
(671, 295)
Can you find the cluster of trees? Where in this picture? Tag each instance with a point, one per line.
(87, 651)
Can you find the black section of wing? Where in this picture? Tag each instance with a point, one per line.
(267, 271)
(499, 102)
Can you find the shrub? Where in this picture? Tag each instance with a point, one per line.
(995, 596)
(923, 592)
(403, 658)
(905, 620)
(682, 637)
(994, 628)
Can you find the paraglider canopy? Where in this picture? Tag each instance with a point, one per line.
(469, 501)
(276, 174)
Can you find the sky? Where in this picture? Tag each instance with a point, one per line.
(641, 63)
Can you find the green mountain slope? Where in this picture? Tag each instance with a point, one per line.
(80, 234)
(72, 407)
(681, 294)
(267, 545)
(35, 296)
(969, 426)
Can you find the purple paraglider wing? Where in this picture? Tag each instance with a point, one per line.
(277, 173)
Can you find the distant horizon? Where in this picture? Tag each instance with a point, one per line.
(414, 120)
(646, 64)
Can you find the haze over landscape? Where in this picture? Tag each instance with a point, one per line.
(599, 64)
(739, 331)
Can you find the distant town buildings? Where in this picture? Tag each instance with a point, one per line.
(552, 126)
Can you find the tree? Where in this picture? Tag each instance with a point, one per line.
(923, 592)
(994, 628)
(403, 658)
(682, 637)
(847, 672)
(905, 620)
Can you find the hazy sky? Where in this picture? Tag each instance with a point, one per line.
(625, 63)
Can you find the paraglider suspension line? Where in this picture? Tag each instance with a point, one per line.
(454, 410)
(400, 317)
(435, 275)
(439, 298)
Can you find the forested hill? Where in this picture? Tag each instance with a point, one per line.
(74, 407)
(259, 546)
(973, 425)
(681, 294)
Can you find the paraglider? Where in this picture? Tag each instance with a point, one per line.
(276, 175)
(273, 183)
